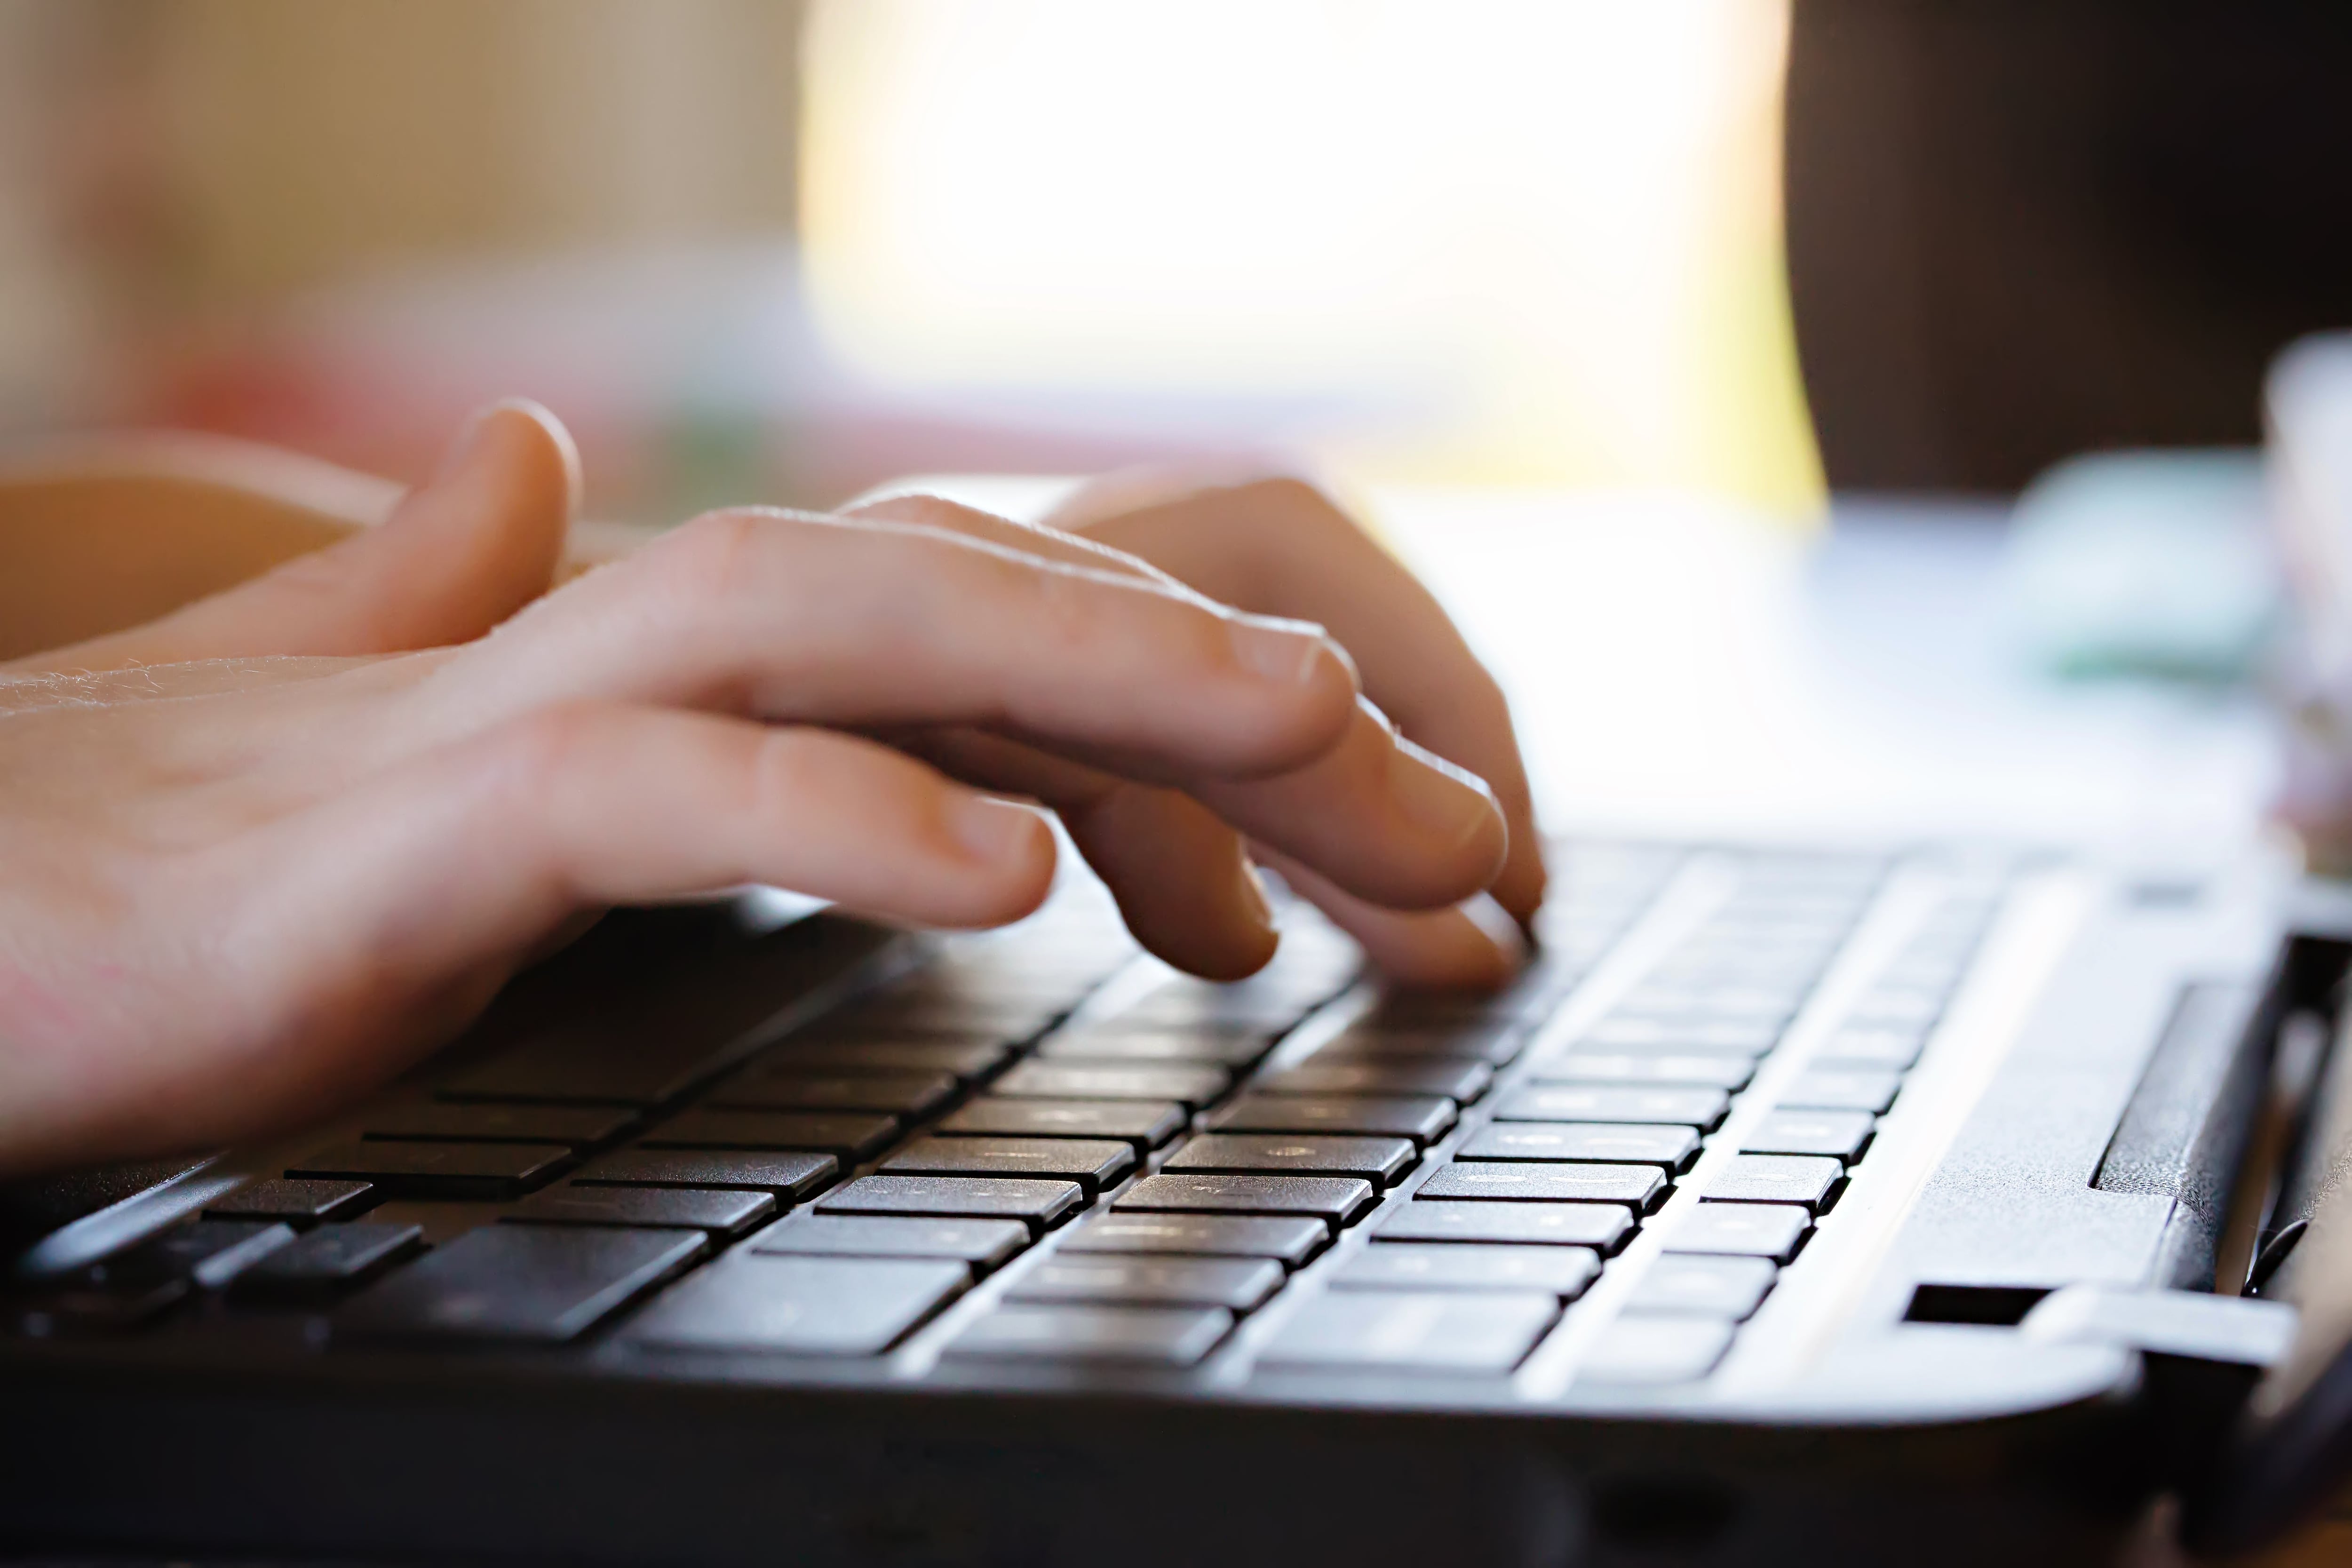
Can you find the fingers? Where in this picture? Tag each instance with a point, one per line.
(807, 619)
(1379, 817)
(457, 556)
(435, 869)
(1385, 819)
(1179, 876)
(1280, 547)
(1472, 945)
(487, 844)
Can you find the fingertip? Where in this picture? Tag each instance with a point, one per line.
(1238, 946)
(1012, 849)
(1456, 814)
(1524, 881)
(551, 437)
(1471, 945)
(1312, 679)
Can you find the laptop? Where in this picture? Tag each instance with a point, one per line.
(1932, 1203)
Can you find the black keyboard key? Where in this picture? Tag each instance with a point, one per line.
(1236, 1284)
(574, 1126)
(1825, 1088)
(1337, 1199)
(777, 1088)
(440, 1169)
(1108, 1043)
(1839, 1134)
(1150, 1336)
(790, 1177)
(1601, 1226)
(1425, 1118)
(1742, 1230)
(721, 1212)
(320, 1263)
(962, 1059)
(1290, 1242)
(800, 1306)
(1678, 1068)
(1639, 1187)
(297, 1202)
(979, 1244)
(593, 1064)
(544, 1283)
(1699, 1108)
(1725, 1287)
(1627, 1143)
(1010, 1020)
(1441, 1331)
(1144, 1124)
(1496, 1042)
(848, 1137)
(211, 1252)
(1190, 1087)
(1379, 1160)
(1036, 1203)
(1813, 1180)
(1457, 1080)
(1565, 1271)
(1092, 1163)
(1644, 1352)
(91, 1301)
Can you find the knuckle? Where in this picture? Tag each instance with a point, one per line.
(1299, 502)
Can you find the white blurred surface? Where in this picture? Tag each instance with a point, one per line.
(1682, 667)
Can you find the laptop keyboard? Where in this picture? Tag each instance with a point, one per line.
(1038, 1149)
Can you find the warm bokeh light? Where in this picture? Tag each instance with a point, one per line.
(1509, 241)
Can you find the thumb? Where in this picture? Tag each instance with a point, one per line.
(460, 553)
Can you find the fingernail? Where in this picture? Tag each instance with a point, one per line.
(1253, 896)
(994, 830)
(464, 443)
(1439, 798)
(468, 443)
(1286, 651)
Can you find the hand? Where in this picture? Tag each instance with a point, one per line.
(1274, 544)
(243, 887)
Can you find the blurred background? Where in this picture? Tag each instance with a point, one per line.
(1668, 277)
(784, 249)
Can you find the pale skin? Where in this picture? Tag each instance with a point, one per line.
(268, 849)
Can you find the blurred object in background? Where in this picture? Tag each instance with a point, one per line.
(2021, 232)
(1520, 242)
(2157, 564)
